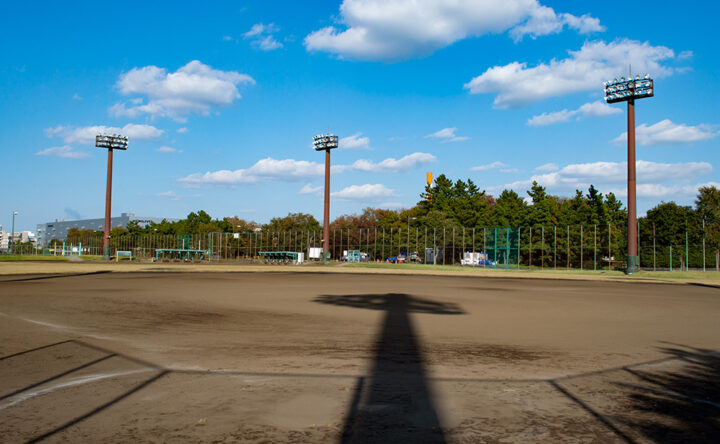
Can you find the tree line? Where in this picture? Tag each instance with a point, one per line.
(461, 204)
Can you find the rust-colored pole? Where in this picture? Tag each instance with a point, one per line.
(326, 212)
(632, 259)
(108, 198)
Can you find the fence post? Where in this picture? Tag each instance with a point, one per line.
(507, 247)
(639, 255)
(654, 258)
(530, 250)
(703, 252)
(485, 245)
(595, 249)
(453, 247)
(382, 246)
(687, 256)
(542, 247)
(581, 246)
(568, 247)
(444, 244)
(495, 249)
(670, 257)
(425, 247)
(519, 236)
(434, 245)
(610, 258)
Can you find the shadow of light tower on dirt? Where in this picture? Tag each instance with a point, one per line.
(394, 403)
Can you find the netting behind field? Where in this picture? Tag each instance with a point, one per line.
(588, 247)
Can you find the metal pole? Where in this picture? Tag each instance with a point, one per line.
(495, 249)
(610, 258)
(670, 257)
(519, 236)
(485, 246)
(444, 244)
(434, 245)
(581, 246)
(703, 243)
(654, 262)
(326, 211)
(108, 198)
(383, 244)
(530, 250)
(632, 259)
(507, 247)
(555, 247)
(542, 247)
(595, 248)
(568, 247)
(687, 256)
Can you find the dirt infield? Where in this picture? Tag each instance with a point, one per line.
(318, 357)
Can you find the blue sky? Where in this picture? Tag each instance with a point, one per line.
(221, 102)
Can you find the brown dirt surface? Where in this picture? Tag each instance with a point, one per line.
(354, 357)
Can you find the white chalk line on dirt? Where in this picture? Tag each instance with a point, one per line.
(71, 383)
(65, 328)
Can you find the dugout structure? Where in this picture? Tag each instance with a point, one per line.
(182, 253)
(280, 257)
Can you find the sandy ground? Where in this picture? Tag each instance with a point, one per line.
(323, 357)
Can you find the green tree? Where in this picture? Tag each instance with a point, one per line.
(707, 205)
(545, 208)
(510, 210)
(293, 222)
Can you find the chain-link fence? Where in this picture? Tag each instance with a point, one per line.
(587, 247)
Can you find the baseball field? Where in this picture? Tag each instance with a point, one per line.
(275, 355)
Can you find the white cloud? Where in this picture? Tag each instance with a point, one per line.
(354, 142)
(390, 165)
(547, 167)
(193, 89)
(66, 152)
(309, 189)
(666, 132)
(364, 192)
(77, 96)
(169, 195)
(490, 166)
(261, 36)
(292, 170)
(544, 21)
(182, 130)
(446, 135)
(516, 85)
(85, 135)
(613, 175)
(593, 109)
(167, 149)
(399, 29)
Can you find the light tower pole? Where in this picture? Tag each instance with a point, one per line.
(628, 90)
(326, 142)
(114, 142)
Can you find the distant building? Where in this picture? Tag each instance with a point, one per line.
(18, 237)
(58, 229)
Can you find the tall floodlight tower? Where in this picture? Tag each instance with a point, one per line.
(114, 142)
(628, 90)
(326, 142)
